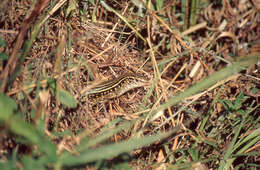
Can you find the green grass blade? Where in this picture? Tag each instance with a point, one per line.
(123, 18)
(16, 124)
(210, 81)
(111, 150)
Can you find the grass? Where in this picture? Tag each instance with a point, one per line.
(52, 52)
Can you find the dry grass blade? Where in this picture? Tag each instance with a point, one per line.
(124, 19)
(152, 84)
(9, 68)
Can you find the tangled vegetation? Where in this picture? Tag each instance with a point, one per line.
(199, 108)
